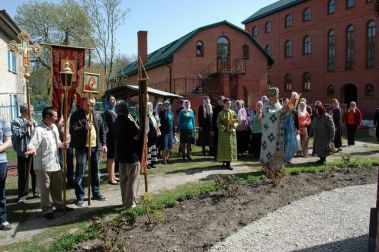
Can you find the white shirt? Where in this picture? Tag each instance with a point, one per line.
(46, 140)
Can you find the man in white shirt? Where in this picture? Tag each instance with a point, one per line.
(44, 145)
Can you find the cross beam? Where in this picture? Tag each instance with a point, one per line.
(26, 48)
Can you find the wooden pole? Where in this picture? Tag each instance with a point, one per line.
(142, 82)
(89, 102)
(65, 118)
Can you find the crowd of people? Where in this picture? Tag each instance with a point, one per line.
(273, 132)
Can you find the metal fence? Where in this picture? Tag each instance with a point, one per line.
(9, 112)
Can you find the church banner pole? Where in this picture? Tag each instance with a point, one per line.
(90, 104)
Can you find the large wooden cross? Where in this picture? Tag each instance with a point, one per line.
(26, 48)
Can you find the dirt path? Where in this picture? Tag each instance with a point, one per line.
(157, 183)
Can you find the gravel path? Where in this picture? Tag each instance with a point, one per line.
(336, 220)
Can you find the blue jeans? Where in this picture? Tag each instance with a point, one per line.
(81, 162)
(3, 201)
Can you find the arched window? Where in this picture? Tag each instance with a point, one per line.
(350, 47)
(268, 49)
(371, 34)
(350, 3)
(268, 27)
(288, 20)
(245, 51)
(369, 90)
(199, 48)
(307, 14)
(331, 50)
(254, 32)
(288, 49)
(307, 45)
(331, 6)
(288, 82)
(330, 90)
(306, 81)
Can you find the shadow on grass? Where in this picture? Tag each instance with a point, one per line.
(38, 222)
(364, 153)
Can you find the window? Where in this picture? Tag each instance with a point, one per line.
(350, 3)
(307, 14)
(288, 82)
(268, 49)
(331, 6)
(288, 49)
(371, 34)
(268, 27)
(288, 21)
(330, 90)
(369, 1)
(369, 90)
(349, 47)
(307, 45)
(12, 61)
(254, 32)
(269, 81)
(245, 51)
(199, 49)
(306, 81)
(331, 50)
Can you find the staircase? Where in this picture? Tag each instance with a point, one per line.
(210, 78)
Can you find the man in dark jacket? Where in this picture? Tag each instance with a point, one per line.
(21, 129)
(128, 153)
(79, 127)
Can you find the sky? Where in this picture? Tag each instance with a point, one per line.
(168, 20)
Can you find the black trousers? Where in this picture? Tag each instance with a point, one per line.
(351, 129)
(24, 167)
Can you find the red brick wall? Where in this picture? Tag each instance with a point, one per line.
(316, 63)
(186, 66)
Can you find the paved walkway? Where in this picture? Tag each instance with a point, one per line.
(157, 183)
(336, 220)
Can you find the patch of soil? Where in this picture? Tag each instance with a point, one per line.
(197, 224)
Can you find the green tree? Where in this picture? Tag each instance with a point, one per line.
(105, 16)
(64, 22)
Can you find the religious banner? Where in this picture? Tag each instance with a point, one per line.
(76, 59)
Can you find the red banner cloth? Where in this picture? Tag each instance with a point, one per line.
(76, 57)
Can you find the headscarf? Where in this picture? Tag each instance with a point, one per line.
(207, 107)
(303, 111)
(149, 112)
(320, 110)
(189, 106)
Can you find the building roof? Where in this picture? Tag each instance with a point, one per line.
(165, 54)
(132, 90)
(272, 8)
(8, 26)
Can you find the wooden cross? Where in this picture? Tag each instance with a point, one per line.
(25, 48)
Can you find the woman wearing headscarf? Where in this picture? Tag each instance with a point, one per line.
(243, 134)
(353, 119)
(256, 129)
(335, 112)
(152, 137)
(205, 123)
(227, 140)
(157, 110)
(323, 132)
(304, 121)
(187, 129)
(166, 119)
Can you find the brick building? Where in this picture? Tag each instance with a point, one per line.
(217, 59)
(323, 49)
